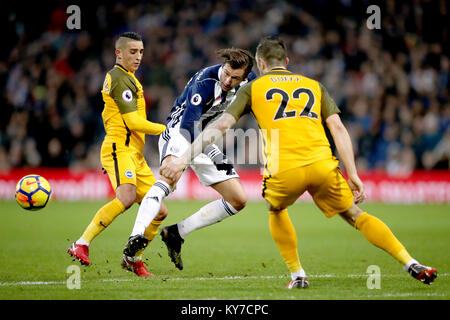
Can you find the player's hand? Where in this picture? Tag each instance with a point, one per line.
(357, 187)
(172, 169)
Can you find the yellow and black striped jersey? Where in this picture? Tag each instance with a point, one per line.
(123, 96)
(289, 109)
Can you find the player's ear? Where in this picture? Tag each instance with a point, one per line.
(118, 53)
(287, 61)
(260, 61)
(261, 64)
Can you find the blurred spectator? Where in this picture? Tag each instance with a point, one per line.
(392, 84)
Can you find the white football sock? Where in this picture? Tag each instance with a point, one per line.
(150, 206)
(82, 242)
(409, 263)
(299, 273)
(209, 214)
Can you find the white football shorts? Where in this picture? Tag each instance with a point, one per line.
(172, 143)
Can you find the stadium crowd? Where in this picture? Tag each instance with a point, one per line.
(392, 83)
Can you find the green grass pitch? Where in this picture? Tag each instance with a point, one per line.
(232, 260)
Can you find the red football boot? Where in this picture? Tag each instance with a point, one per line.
(137, 267)
(80, 252)
(423, 273)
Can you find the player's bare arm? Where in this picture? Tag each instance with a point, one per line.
(345, 149)
(173, 168)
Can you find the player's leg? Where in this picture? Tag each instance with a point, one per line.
(125, 195)
(121, 171)
(376, 232)
(151, 205)
(380, 235)
(333, 196)
(135, 247)
(145, 181)
(103, 217)
(152, 229)
(171, 144)
(280, 191)
(285, 237)
(233, 200)
(227, 184)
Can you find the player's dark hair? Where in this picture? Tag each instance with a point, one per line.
(237, 58)
(131, 35)
(126, 37)
(272, 50)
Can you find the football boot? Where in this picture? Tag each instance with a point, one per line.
(171, 237)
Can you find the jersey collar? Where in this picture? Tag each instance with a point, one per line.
(121, 67)
(279, 69)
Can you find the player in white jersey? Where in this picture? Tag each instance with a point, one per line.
(205, 97)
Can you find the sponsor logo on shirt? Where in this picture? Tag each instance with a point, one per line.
(127, 96)
(196, 99)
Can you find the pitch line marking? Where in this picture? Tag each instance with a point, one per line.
(30, 283)
(45, 283)
(409, 294)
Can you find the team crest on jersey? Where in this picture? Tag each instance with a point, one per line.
(174, 149)
(196, 99)
(129, 174)
(127, 96)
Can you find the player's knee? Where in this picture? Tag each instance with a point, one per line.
(352, 214)
(162, 214)
(238, 201)
(127, 199)
(126, 193)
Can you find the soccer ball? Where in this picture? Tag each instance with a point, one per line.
(33, 192)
